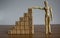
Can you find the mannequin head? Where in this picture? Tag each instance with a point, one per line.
(46, 3)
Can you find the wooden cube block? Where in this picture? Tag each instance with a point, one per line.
(18, 27)
(22, 27)
(25, 14)
(21, 18)
(30, 12)
(22, 31)
(18, 31)
(26, 18)
(30, 27)
(33, 27)
(32, 31)
(27, 31)
(30, 23)
(14, 27)
(22, 23)
(26, 23)
(17, 23)
(14, 31)
(26, 27)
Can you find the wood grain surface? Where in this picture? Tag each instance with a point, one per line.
(39, 32)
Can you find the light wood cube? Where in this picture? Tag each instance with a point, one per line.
(14, 31)
(26, 23)
(29, 10)
(17, 23)
(26, 14)
(22, 23)
(21, 18)
(18, 31)
(22, 27)
(18, 27)
(26, 18)
(22, 31)
(26, 27)
(27, 31)
(32, 29)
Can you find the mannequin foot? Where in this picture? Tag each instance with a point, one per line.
(50, 33)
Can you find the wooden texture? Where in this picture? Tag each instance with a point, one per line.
(39, 32)
(24, 25)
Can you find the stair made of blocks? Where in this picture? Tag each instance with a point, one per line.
(24, 25)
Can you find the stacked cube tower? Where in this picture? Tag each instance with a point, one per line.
(24, 25)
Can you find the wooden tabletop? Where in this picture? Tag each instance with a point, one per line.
(39, 32)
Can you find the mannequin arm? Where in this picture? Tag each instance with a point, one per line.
(51, 12)
(38, 7)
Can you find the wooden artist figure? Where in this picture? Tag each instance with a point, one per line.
(48, 16)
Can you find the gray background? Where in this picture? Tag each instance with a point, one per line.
(11, 10)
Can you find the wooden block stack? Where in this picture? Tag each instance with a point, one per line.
(24, 25)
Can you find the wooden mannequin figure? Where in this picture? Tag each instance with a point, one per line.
(48, 16)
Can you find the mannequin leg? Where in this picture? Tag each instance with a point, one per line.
(49, 26)
(46, 25)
